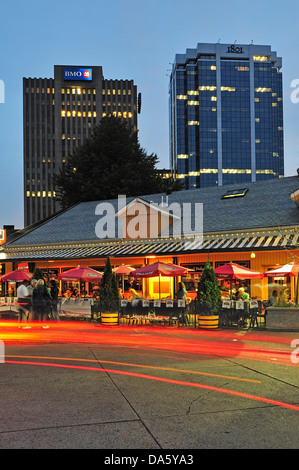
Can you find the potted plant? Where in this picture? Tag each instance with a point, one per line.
(109, 296)
(208, 298)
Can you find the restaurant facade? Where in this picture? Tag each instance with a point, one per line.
(255, 225)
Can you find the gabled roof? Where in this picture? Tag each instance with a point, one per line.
(265, 204)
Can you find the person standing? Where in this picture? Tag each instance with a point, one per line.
(23, 295)
(31, 286)
(41, 300)
(54, 298)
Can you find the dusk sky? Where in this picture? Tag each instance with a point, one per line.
(135, 40)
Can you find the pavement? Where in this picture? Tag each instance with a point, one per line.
(152, 389)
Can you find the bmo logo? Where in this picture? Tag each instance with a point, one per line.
(77, 74)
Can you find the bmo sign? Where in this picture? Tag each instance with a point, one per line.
(77, 74)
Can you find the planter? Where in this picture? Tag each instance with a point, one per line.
(110, 319)
(280, 318)
(209, 322)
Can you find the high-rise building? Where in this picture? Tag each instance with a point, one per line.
(59, 114)
(226, 115)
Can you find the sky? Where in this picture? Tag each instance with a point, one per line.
(134, 40)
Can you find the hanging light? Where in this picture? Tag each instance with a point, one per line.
(252, 255)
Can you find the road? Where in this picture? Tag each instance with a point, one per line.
(86, 386)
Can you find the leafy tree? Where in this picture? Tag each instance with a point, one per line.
(208, 294)
(109, 163)
(109, 295)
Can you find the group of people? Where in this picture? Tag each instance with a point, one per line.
(38, 300)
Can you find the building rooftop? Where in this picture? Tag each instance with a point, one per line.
(264, 204)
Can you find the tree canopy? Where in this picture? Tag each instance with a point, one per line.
(111, 162)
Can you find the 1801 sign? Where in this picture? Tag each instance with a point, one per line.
(234, 49)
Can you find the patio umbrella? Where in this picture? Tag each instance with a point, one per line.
(160, 269)
(235, 271)
(81, 274)
(232, 271)
(122, 270)
(18, 275)
(290, 269)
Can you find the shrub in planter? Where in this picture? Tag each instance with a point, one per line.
(209, 298)
(109, 296)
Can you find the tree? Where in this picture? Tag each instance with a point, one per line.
(109, 163)
(109, 295)
(208, 294)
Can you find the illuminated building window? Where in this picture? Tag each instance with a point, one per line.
(207, 88)
(193, 103)
(182, 156)
(182, 97)
(227, 88)
(193, 123)
(260, 58)
(262, 90)
(213, 98)
(213, 67)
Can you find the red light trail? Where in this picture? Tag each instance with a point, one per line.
(160, 379)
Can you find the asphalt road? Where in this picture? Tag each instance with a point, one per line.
(86, 386)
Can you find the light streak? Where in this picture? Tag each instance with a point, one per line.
(139, 365)
(160, 379)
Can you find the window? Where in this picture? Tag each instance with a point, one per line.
(235, 193)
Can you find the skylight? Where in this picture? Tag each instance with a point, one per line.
(235, 193)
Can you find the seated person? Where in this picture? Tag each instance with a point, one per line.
(68, 293)
(273, 299)
(133, 294)
(242, 295)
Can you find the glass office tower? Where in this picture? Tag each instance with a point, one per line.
(226, 115)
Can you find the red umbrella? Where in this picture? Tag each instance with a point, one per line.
(290, 269)
(18, 275)
(235, 271)
(160, 269)
(122, 270)
(81, 274)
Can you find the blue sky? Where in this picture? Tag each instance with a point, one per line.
(130, 39)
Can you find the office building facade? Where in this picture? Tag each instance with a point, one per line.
(226, 115)
(59, 114)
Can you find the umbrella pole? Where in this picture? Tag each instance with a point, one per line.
(123, 283)
(297, 289)
(159, 286)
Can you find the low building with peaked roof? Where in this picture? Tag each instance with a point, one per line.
(254, 224)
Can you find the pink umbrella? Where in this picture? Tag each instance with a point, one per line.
(81, 274)
(18, 275)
